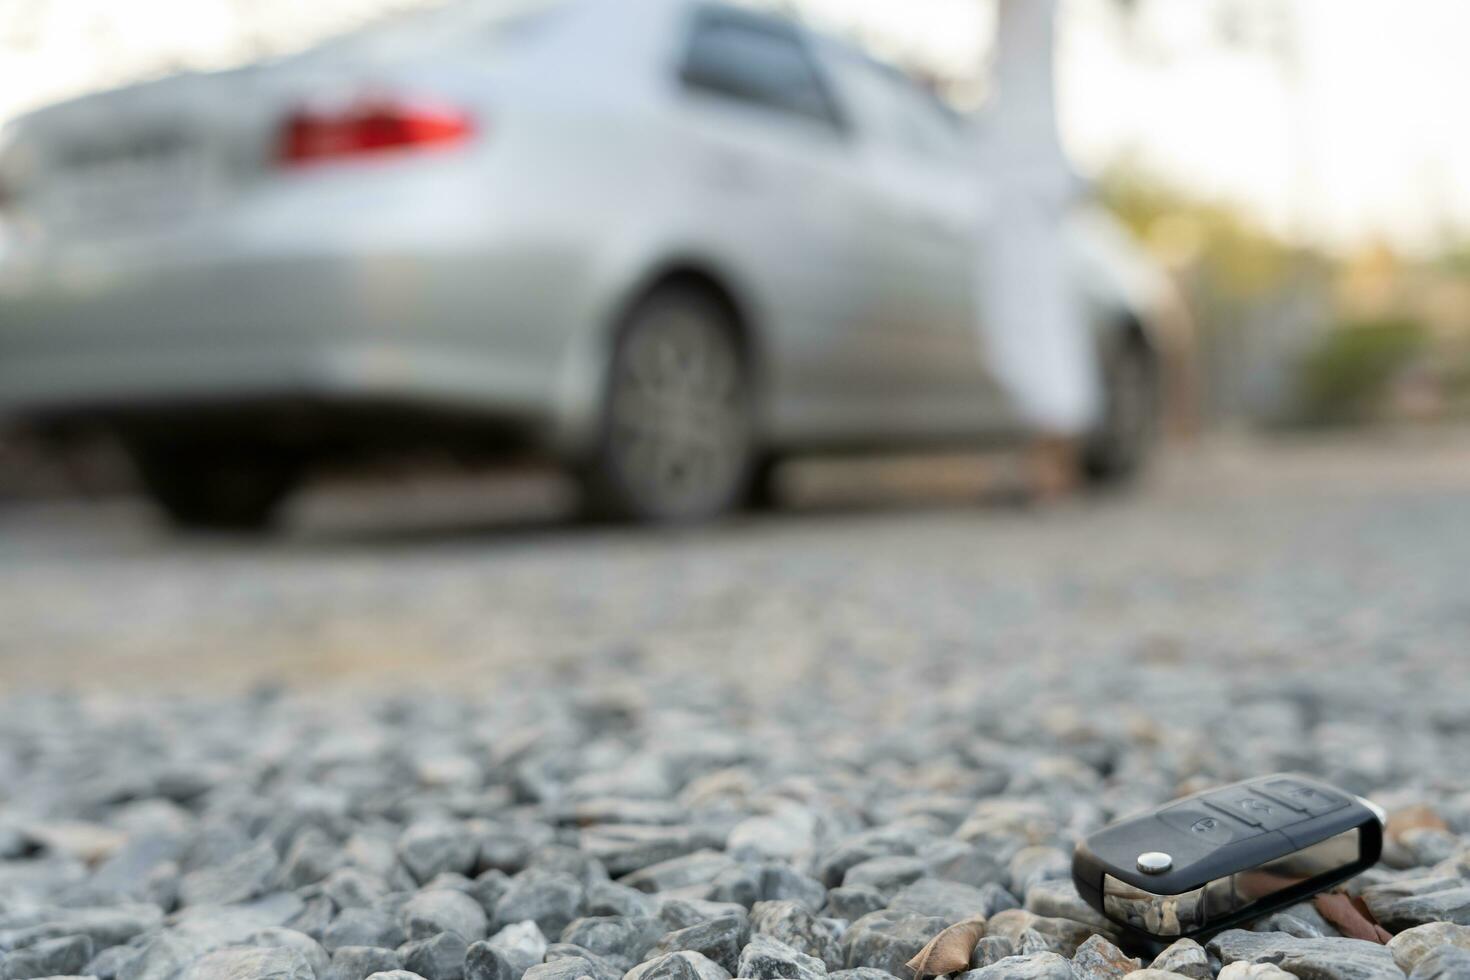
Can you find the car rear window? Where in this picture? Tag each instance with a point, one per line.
(757, 61)
(891, 107)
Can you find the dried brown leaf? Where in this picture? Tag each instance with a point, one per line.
(1351, 918)
(1383, 934)
(950, 951)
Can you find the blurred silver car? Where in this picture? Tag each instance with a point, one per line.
(665, 242)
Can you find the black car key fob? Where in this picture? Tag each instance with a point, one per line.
(1220, 858)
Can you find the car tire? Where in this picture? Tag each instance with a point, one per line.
(763, 490)
(202, 487)
(1119, 450)
(675, 443)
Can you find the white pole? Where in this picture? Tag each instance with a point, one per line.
(1034, 327)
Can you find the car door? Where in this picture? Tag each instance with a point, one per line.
(921, 213)
(773, 191)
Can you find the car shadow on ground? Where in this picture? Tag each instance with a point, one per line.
(522, 510)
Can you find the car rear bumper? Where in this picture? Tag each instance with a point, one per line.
(102, 339)
(98, 384)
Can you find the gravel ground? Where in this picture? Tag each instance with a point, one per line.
(476, 748)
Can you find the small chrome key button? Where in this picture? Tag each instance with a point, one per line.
(1154, 862)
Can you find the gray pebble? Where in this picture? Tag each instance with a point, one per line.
(277, 937)
(1061, 936)
(887, 875)
(363, 927)
(953, 860)
(312, 856)
(699, 868)
(434, 846)
(313, 918)
(738, 885)
(613, 898)
(522, 944)
(440, 957)
(767, 958)
(1412, 945)
(623, 938)
(781, 883)
(860, 973)
(1098, 959)
(626, 849)
(1057, 898)
(833, 865)
(598, 967)
(353, 888)
(551, 899)
(888, 939)
(508, 847)
(720, 939)
(438, 910)
(796, 926)
(360, 962)
(250, 963)
(556, 857)
(946, 899)
(571, 968)
(991, 949)
(854, 902)
(1032, 865)
(104, 926)
(244, 877)
(109, 963)
(1327, 959)
(680, 913)
(1027, 966)
(1445, 963)
(50, 957)
(1186, 958)
(1416, 902)
(681, 965)
(485, 962)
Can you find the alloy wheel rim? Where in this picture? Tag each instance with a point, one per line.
(677, 414)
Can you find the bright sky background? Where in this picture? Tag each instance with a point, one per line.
(1361, 135)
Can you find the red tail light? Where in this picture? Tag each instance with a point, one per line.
(371, 127)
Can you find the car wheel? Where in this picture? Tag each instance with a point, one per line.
(763, 491)
(216, 488)
(675, 444)
(1119, 450)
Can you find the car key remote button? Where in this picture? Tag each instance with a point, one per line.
(1205, 825)
(1299, 796)
(1259, 811)
(1154, 862)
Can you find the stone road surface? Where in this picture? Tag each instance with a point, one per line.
(418, 733)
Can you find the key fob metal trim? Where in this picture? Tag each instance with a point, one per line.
(1220, 858)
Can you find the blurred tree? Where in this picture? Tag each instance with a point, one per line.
(1345, 379)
